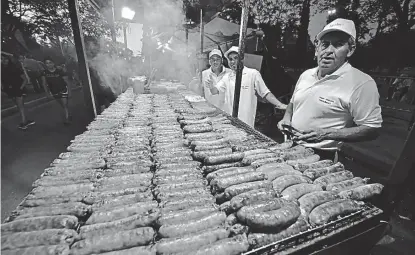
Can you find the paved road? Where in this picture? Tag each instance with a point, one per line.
(25, 154)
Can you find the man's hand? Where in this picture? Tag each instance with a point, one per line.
(283, 122)
(315, 136)
(209, 83)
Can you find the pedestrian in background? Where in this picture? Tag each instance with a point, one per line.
(56, 84)
(13, 81)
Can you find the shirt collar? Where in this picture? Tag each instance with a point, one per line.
(223, 70)
(339, 72)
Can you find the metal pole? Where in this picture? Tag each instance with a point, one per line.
(113, 34)
(125, 35)
(202, 31)
(80, 52)
(241, 53)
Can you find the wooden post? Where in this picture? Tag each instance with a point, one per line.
(202, 35)
(80, 52)
(124, 29)
(241, 53)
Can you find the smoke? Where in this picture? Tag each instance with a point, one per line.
(164, 49)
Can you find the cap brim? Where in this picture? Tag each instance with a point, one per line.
(322, 33)
(217, 54)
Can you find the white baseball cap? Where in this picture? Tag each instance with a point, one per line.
(232, 49)
(215, 52)
(344, 25)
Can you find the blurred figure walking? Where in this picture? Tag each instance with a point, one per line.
(13, 82)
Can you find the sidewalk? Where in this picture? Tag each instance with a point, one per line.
(32, 99)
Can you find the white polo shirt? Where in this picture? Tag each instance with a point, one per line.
(343, 99)
(251, 83)
(216, 100)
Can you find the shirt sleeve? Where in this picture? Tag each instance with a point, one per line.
(260, 87)
(364, 105)
(295, 89)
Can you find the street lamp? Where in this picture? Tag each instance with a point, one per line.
(127, 14)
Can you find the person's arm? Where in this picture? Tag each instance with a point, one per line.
(352, 134)
(263, 91)
(286, 120)
(273, 100)
(215, 90)
(45, 85)
(24, 83)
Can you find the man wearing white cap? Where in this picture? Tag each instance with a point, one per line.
(215, 73)
(252, 85)
(334, 102)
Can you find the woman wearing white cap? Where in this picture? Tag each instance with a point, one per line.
(252, 85)
(334, 102)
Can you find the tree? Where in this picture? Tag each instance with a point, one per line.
(48, 20)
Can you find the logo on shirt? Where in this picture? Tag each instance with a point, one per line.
(325, 100)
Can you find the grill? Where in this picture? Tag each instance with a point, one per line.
(339, 232)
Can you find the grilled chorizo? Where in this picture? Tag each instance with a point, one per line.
(282, 182)
(294, 192)
(220, 184)
(251, 197)
(309, 201)
(362, 192)
(347, 184)
(237, 189)
(226, 172)
(230, 158)
(323, 181)
(318, 172)
(330, 210)
(213, 168)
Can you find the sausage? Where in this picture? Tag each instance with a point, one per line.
(226, 172)
(255, 152)
(138, 178)
(282, 182)
(39, 250)
(323, 181)
(121, 212)
(195, 136)
(177, 179)
(328, 211)
(110, 202)
(225, 207)
(174, 159)
(115, 241)
(347, 184)
(192, 226)
(73, 208)
(220, 184)
(318, 172)
(33, 201)
(251, 197)
(229, 246)
(275, 219)
(260, 162)
(182, 171)
(297, 154)
(159, 156)
(186, 203)
(201, 155)
(230, 158)
(275, 170)
(231, 220)
(17, 240)
(268, 204)
(190, 242)
(211, 147)
(193, 122)
(174, 187)
(56, 181)
(237, 189)
(213, 168)
(40, 223)
(257, 240)
(177, 217)
(140, 250)
(198, 128)
(309, 201)
(304, 160)
(362, 192)
(180, 165)
(126, 171)
(63, 190)
(282, 146)
(319, 164)
(247, 160)
(294, 192)
(180, 194)
(135, 221)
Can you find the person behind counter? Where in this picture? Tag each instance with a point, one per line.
(215, 73)
(251, 84)
(334, 102)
